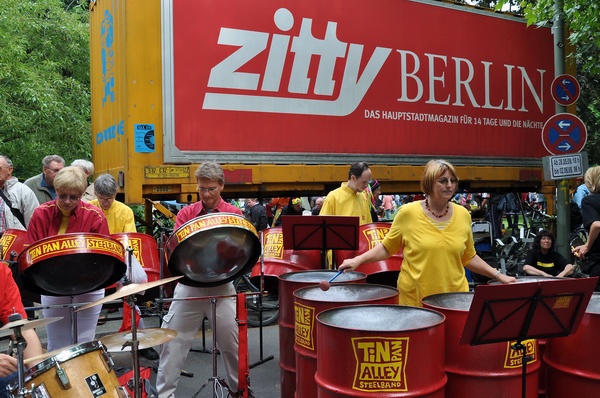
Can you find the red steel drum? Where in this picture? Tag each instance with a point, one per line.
(572, 361)
(72, 264)
(145, 250)
(380, 351)
(495, 368)
(383, 272)
(213, 249)
(278, 261)
(310, 301)
(288, 284)
(12, 243)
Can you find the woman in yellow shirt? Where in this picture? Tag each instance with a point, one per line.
(437, 241)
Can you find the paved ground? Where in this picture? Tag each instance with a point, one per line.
(264, 375)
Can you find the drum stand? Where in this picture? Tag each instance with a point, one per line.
(214, 352)
(21, 344)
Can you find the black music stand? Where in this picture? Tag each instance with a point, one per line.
(320, 233)
(530, 310)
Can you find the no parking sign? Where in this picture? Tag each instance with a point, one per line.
(564, 133)
(565, 89)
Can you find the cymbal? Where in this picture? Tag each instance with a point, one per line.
(129, 290)
(146, 338)
(24, 324)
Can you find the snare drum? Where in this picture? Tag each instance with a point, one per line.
(83, 370)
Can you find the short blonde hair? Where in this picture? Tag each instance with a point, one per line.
(592, 179)
(71, 178)
(433, 170)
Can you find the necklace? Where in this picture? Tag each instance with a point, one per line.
(431, 211)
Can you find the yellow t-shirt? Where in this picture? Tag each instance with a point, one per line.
(343, 201)
(434, 259)
(119, 217)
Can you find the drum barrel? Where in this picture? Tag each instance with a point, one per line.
(288, 283)
(380, 351)
(495, 368)
(384, 272)
(572, 361)
(310, 301)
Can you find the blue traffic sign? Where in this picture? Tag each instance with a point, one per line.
(564, 133)
(565, 90)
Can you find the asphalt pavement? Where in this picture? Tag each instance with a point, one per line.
(264, 371)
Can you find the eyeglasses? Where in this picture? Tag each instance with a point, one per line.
(445, 181)
(53, 170)
(72, 198)
(209, 190)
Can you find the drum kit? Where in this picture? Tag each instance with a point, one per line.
(207, 251)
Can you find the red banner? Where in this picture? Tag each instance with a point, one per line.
(386, 77)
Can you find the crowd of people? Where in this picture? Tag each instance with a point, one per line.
(63, 199)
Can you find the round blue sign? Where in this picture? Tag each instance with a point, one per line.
(565, 90)
(564, 133)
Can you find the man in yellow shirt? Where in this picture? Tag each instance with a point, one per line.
(349, 199)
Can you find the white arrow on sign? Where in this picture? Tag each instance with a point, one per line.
(565, 146)
(564, 124)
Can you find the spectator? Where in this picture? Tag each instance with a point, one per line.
(65, 214)
(256, 213)
(373, 196)
(186, 317)
(42, 184)
(581, 192)
(120, 219)
(88, 167)
(17, 201)
(544, 260)
(277, 205)
(294, 208)
(318, 205)
(436, 238)
(348, 199)
(388, 206)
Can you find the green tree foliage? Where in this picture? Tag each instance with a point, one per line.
(44, 82)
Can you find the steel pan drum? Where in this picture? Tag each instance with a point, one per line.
(381, 272)
(380, 351)
(213, 249)
(495, 368)
(145, 250)
(72, 264)
(13, 243)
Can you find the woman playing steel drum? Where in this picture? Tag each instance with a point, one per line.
(65, 214)
(437, 240)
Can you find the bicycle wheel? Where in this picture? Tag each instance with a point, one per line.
(269, 303)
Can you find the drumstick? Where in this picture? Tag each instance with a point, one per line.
(324, 285)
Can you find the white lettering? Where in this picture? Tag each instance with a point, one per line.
(309, 66)
(304, 46)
